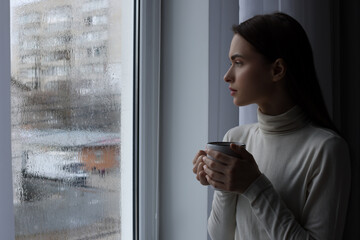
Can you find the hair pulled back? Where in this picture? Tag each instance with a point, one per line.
(278, 35)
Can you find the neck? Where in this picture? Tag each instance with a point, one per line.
(276, 109)
(276, 103)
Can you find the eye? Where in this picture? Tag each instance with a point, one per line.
(236, 63)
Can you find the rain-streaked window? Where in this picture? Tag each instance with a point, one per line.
(91, 5)
(70, 96)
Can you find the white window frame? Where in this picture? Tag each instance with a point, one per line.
(148, 89)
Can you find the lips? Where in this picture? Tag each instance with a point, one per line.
(232, 91)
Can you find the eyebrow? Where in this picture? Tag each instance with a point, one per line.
(236, 56)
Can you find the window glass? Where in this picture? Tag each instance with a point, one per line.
(59, 14)
(96, 20)
(67, 96)
(91, 5)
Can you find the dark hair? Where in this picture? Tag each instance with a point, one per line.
(278, 35)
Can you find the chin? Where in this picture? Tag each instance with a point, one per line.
(240, 103)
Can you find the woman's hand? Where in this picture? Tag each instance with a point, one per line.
(230, 173)
(198, 168)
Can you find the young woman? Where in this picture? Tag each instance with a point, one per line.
(293, 179)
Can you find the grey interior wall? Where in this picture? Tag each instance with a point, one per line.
(347, 98)
(223, 114)
(6, 196)
(183, 117)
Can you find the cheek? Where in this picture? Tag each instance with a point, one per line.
(250, 80)
(253, 84)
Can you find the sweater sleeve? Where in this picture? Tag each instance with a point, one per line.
(222, 220)
(324, 212)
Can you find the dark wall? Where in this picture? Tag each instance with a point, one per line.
(347, 95)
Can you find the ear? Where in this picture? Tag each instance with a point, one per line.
(278, 69)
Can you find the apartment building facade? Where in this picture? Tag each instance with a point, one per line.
(68, 54)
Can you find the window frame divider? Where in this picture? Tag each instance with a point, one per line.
(149, 117)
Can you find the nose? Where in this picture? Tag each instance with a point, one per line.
(228, 77)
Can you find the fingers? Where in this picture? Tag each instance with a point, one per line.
(200, 176)
(199, 153)
(214, 165)
(242, 151)
(237, 148)
(228, 173)
(196, 164)
(215, 184)
(215, 176)
(197, 159)
(198, 168)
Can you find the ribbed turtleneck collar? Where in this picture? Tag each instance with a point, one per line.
(289, 121)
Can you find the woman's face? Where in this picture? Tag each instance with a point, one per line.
(249, 76)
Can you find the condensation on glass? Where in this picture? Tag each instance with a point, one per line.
(66, 118)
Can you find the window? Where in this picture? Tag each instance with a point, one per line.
(31, 30)
(95, 36)
(28, 59)
(59, 14)
(56, 71)
(144, 209)
(58, 55)
(30, 18)
(91, 5)
(31, 43)
(96, 20)
(57, 41)
(96, 51)
(99, 156)
(72, 118)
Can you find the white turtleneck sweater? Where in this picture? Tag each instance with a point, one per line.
(303, 190)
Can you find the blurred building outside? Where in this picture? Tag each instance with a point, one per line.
(65, 87)
(66, 58)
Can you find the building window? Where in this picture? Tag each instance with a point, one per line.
(99, 158)
(95, 36)
(30, 18)
(96, 51)
(93, 5)
(96, 20)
